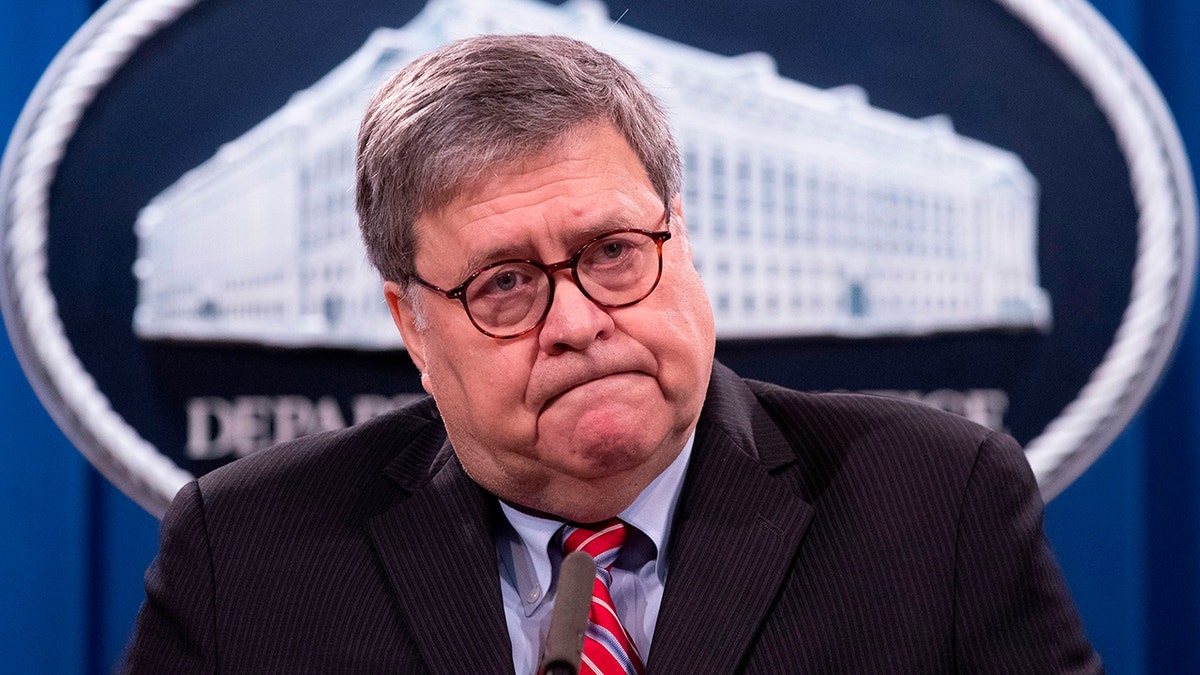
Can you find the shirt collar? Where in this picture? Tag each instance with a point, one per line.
(651, 513)
(654, 509)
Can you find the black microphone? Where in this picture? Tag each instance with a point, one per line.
(569, 622)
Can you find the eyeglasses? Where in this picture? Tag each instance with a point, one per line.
(507, 299)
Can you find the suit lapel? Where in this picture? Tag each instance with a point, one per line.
(441, 561)
(735, 535)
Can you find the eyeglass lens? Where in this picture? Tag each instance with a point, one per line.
(511, 297)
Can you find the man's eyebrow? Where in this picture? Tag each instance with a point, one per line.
(480, 259)
(524, 251)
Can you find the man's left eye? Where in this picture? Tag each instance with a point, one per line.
(505, 281)
(613, 249)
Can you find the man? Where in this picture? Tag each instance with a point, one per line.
(520, 197)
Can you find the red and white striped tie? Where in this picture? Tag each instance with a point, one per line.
(607, 648)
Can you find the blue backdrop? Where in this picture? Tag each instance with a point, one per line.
(1127, 532)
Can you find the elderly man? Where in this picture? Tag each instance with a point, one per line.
(520, 198)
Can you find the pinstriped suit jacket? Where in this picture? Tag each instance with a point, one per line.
(815, 533)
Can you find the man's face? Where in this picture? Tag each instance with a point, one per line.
(575, 417)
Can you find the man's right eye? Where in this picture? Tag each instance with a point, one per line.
(506, 281)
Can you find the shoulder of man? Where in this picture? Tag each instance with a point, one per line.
(947, 504)
(853, 414)
(334, 466)
(885, 439)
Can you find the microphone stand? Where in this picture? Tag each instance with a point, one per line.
(569, 620)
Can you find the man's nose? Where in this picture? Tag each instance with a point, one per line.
(574, 321)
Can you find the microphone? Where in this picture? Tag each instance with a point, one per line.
(569, 621)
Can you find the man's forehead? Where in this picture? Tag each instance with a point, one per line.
(588, 182)
(533, 239)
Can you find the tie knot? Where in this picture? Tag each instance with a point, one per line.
(601, 540)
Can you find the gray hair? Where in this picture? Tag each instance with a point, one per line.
(437, 125)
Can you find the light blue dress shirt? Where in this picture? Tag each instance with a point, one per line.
(529, 567)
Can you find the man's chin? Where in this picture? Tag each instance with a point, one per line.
(621, 410)
(612, 454)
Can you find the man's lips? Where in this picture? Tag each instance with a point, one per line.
(551, 389)
(575, 385)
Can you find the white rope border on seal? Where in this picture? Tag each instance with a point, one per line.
(89, 62)
(1163, 271)
(1123, 91)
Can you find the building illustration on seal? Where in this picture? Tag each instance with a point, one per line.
(810, 212)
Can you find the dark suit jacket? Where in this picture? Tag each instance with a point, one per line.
(814, 533)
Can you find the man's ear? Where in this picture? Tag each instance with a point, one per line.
(679, 227)
(676, 207)
(406, 322)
